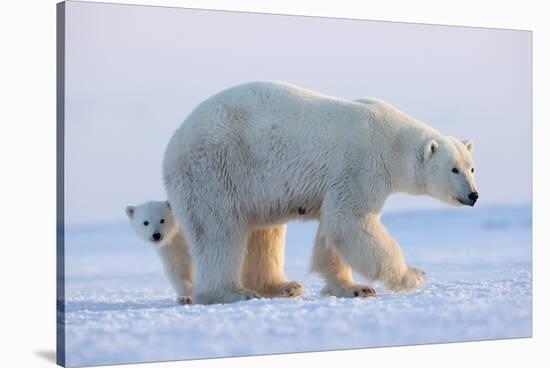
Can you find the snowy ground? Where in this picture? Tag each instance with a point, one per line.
(119, 307)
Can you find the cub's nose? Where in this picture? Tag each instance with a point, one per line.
(473, 196)
(156, 236)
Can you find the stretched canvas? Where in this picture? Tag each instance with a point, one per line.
(234, 184)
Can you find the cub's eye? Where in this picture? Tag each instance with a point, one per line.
(472, 170)
(455, 170)
(162, 221)
(145, 223)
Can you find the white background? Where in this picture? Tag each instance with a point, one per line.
(27, 144)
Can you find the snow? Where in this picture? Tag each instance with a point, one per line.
(121, 309)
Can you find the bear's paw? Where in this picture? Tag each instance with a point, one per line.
(412, 279)
(225, 296)
(184, 300)
(349, 291)
(290, 289)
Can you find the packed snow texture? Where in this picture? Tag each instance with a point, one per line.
(120, 308)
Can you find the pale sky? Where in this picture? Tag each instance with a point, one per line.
(133, 74)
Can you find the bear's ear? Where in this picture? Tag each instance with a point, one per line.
(430, 149)
(168, 205)
(130, 211)
(469, 144)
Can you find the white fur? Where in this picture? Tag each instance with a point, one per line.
(252, 156)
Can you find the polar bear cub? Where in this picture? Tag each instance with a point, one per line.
(154, 222)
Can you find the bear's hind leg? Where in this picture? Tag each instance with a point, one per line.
(218, 259)
(263, 269)
(335, 272)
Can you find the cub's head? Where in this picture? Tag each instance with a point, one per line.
(153, 221)
(448, 170)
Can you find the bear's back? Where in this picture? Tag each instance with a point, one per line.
(256, 108)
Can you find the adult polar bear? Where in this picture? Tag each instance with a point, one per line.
(253, 157)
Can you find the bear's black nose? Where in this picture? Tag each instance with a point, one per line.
(156, 236)
(473, 196)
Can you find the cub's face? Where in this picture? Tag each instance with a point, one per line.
(449, 171)
(153, 221)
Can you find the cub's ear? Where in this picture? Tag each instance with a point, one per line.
(168, 204)
(429, 150)
(130, 211)
(469, 144)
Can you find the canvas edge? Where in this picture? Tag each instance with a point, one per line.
(60, 185)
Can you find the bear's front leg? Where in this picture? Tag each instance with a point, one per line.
(365, 244)
(185, 291)
(178, 267)
(336, 273)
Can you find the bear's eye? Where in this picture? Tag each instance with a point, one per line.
(455, 170)
(162, 221)
(145, 223)
(472, 170)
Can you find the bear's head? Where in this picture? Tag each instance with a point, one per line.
(153, 221)
(448, 170)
